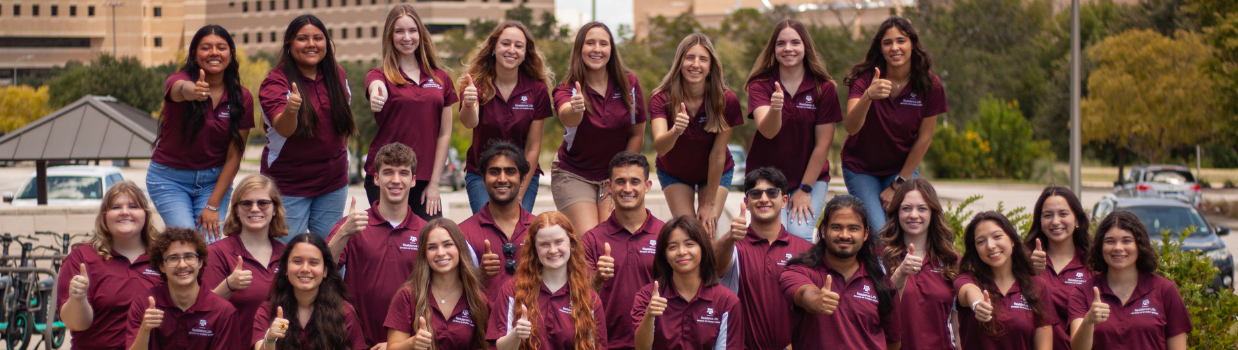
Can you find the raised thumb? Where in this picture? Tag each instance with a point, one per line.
(524, 312)
(656, 290)
(911, 249)
(152, 302)
(422, 322)
(577, 89)
(1038, 245)
(201, 75)
(876, 74)
(607, 248)
(986, 297)
(240, 263)
(777, 87)
(84, 273)
(279, 312)
(1096, 290)
(488, 247)
(469, 79)
(829, 282)
(353, 207)
(295, 91)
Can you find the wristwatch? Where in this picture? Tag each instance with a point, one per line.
(898, 182)
(806, 188)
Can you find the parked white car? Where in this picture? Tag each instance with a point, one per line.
(69, 185)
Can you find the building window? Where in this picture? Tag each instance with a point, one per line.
(272, 36)
(328, 3)
(158, 11)
(358, 32)
(344, 33)
(258, 6)
(330, 32)
(343, 3)
(245, 6)
(358, 2)
(16, 10)
(90, 11)
(272, 3)
(73, 11)
(259, 36)
(285, 4)
(231, 4)
(158, 41)
(55, 10)
(300, 4)
(245, 38)
(314, 3)
(373, 32)
(34, 10)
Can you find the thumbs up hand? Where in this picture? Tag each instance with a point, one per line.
(240, 278)
(153, 317)
(423, 338)
(294, 100)
(739, 225)
(490, 262)
(201, 89)
(378, 96)
(681, 120)
(279, 326)
(657, 304)
(879, 88)
(775, 99)
(80, 284)
(984, 309)
(356, 220)
(1039, 258)
(827, 302)
(911, 263)
(1099, 311)
(470, 92)
(578, 99)
(606, 265)
(523, 328)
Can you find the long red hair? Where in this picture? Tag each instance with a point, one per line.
(528, 284)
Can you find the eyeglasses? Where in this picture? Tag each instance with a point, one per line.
(496, 171)
(509, 250)
(263, 204)
(756, 193)
(190, 259)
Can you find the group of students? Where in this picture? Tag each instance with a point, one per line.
(289, 269)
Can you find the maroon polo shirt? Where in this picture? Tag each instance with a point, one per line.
(303, 166)
(378, 260)
(509, 119)
(481, 227)
(891, 127)
(1153, 314)
(1014, 313)
(113, 285)
(209, 148)
(1060, 286)
(454, 334)
(711, 320)
(222, 262)
(802, 111)
(633, 253)
(210, 324)
(557, 328)
(688, 161)
(756, 265)
(262, 322)
(855, 324)
(925, 307)
(603, 132)
(412, 116)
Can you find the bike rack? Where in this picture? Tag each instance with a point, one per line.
(50, 307)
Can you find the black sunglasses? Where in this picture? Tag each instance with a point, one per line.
(509, 250)
(756, 194)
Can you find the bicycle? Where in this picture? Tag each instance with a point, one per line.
(47, 284)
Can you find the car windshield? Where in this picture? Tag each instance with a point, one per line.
(737, 155)
(1175, 177)
(1174, 219)
(67, 187)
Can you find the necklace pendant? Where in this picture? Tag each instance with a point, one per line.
(442, 301)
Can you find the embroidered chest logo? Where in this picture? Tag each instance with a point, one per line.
(785, 260)
(431, 84)
(912, 100)
(709, 311)
(566, 310)
(463, 318)
(651, 249)
(709, 317)
(866, 294)
(523, 104)
(807, 103)
(225, 114)
(149, 272)
(1021, 304)
(201, 330)
(1145, 308)
(410, 245)
(1076, 280)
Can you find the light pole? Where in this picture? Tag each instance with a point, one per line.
(1076, 130)
(113, 5)
(19, 59)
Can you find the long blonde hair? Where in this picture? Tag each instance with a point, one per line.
(419, 281)
(102, 238)
(279, 223)
(426, 55)
(482, 66)
(715, 88)
(813, 64)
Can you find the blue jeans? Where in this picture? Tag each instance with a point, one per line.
(868, 188)
(804, 229)
(181, 195)
(475, 186)
(318, 214)
(666, 179)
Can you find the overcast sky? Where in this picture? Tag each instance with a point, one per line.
(611, 12)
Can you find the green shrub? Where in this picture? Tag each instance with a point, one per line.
(1212, 312)
(998, 144)
(958, 216)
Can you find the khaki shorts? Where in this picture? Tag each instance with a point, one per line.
(569, 188)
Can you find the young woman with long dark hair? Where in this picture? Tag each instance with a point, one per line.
(442, 306)
(686, 287)
(102, 276)
(1060, 238)
(1147, 310)
(795, 104)
(601, 104)
(550, 304)
(919, 250)
(306, 154)
(205, 121)
(1002, 303)
(892, 108)
(243, 263)
(693, 114)
(411, 96)
(504, 97)
(309, 306)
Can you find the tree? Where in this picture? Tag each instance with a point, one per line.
(20, 105)
(125, 79)
(1149, 93)
(253, 71)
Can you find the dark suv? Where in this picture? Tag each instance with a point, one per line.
(1160, 181)
(1174, 216)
